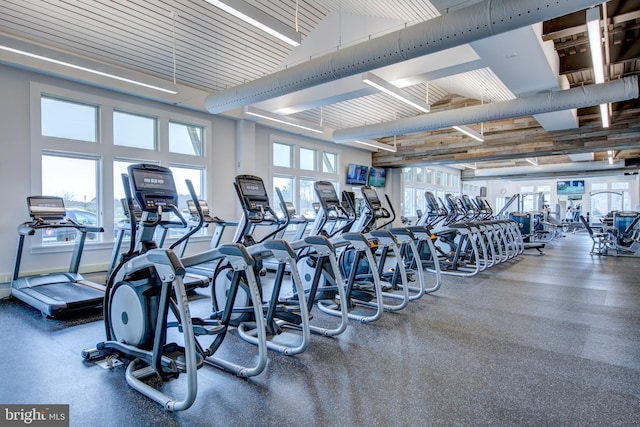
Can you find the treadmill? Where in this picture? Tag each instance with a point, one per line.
(55, 293)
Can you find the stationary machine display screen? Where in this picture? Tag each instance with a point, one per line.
(253, 194)
(153, 186)
(153, 181)
(46, 207)
(432, 203)
(371, 195)
(250, 187)
(326, 192)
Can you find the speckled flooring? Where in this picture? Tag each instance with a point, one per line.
(540, 340)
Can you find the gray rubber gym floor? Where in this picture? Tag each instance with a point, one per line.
(540, 340)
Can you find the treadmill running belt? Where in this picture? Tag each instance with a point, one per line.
(72, 293)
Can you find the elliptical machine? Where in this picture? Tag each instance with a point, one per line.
(147, 287)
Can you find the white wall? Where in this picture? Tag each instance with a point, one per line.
(15, 168)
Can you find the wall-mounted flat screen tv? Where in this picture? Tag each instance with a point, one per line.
(377, 177)
(571, 187)
(357, 174)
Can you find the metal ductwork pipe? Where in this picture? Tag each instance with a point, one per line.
(478, 21)
(579, 97)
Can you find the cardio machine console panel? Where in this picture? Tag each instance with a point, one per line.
(153, 186)
(253, 195)
(46, 208)
(327, 195)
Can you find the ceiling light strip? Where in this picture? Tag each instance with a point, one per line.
(376, 144)
(388, 88)
(259, 19)
(469, 132)
(595, 46)
(85, 69)
(291, 121)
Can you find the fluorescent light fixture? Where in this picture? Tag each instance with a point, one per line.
(291, 121)
(390, 89)
(469, 166)
(595, 46)
(259, 19)
(534, 162)
(610, 155)
(376, 144)
(85, 69)
(604, 114)
(469, 132)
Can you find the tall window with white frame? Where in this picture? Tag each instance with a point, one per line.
(82, 161)
(296, 168)
(74, 177)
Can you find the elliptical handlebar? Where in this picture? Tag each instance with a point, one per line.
(194, 197)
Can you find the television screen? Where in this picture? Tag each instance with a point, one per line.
(357, 174)
(377, 177)
(571, 187)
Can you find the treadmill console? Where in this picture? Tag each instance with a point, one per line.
(46, 208)
(204, 207)
(152, 186)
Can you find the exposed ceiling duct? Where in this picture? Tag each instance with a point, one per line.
(478, 21)
(580, 97)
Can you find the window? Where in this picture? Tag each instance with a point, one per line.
(408, 174)
(420, 175)
(67, 119)
(429, 176)
(619, 185)
(134, 130)
(119, 168)
(329, 162)
(296, 168)
(88, 175)
(409, 199)
(75, 180)
(307, 159)
(186, 139)
(307, 197)
(180, 176)
(439, 178)
(598, 186)
(285, 184)
(282, 155)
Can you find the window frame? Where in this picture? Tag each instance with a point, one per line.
(298, 174)
(107, 151)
